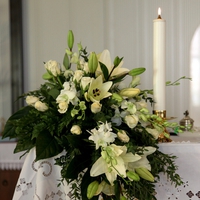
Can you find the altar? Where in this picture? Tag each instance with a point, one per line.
(40, 180)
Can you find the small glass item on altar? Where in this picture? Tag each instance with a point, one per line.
(187, 122)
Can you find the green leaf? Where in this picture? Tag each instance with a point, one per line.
(21, 113)
(118, 79)
(47, 76)
(24, 145)
(54, 93)
(77, 165)
(75, 140)
(137, 71)
(46, 146)
(117, 61)
(87, 179)
(37, 129)
(105, 71)
(117, 190)
(9, 129)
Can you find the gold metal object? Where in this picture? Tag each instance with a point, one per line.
(160, 113)
(165, 135)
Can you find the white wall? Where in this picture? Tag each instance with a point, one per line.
(124, 27)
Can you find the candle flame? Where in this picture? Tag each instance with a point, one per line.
(159, 13)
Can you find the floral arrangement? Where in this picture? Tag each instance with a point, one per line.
(109, 137)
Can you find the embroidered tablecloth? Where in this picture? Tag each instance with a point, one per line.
(39, 181)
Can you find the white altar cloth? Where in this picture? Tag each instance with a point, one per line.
(38, 181)
(188, 163)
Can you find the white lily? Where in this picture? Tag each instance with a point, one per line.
(103, 136)
(113, 161)
(105, 58)
(99, 90)
(143, 162)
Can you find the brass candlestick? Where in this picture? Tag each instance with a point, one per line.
(160, 113)
(165, 135)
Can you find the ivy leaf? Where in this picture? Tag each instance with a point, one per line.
(46, 146)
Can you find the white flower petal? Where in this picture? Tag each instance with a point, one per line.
(99, 167)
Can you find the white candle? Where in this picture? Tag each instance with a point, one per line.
(159, 62)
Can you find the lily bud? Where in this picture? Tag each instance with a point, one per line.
(92, 189)
(135, 81)
(117, 97)
(129, 92)
(122, 198)
(70, 39)
(92, 62)
(145, 174)
(133, 176)
(117, 61)
(66, 61)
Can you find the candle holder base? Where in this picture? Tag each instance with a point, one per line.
(160, 113)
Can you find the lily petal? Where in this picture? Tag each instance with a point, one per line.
(99, 167)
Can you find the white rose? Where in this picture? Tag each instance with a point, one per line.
(76, 130)
(53, 67)
(131, 120)
(31, 100)
(85, 81)
(123, 136)
(96, 107)
(41, 106)
(153, 132)
(63, 106)
(78, 75)
(68, 73)
(84, 66)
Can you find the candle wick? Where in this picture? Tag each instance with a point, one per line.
(159, 17)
